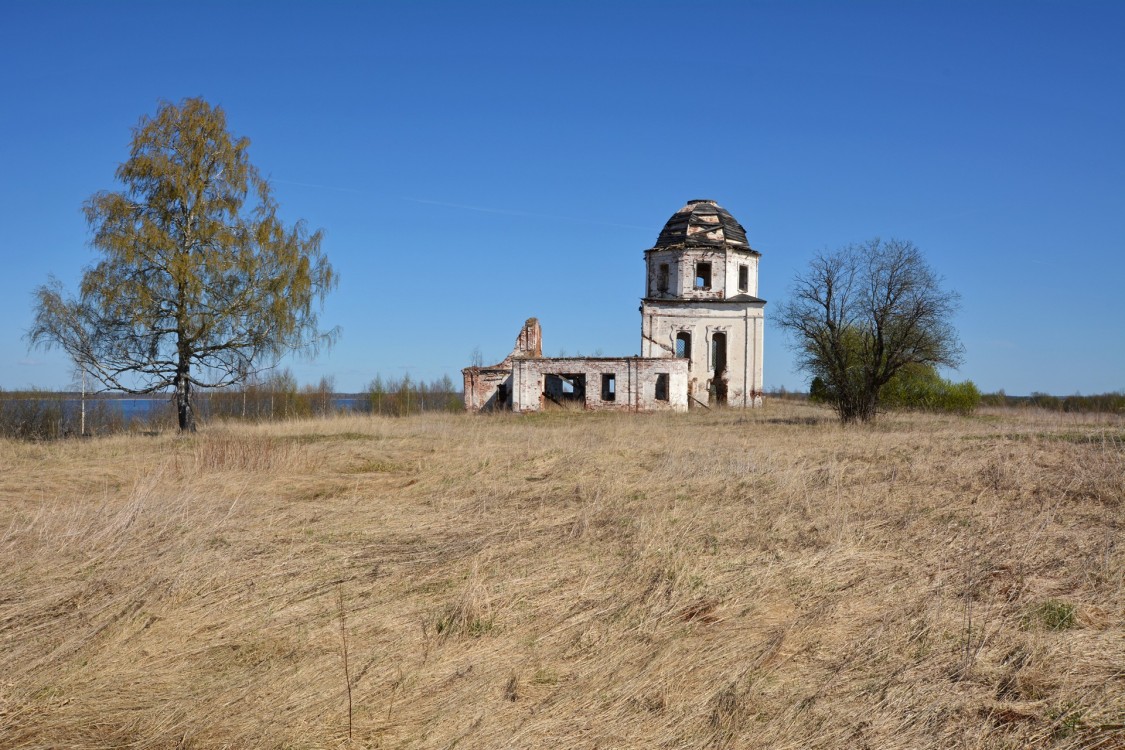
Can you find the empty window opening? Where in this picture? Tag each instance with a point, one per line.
(683, 345)
(564, 388)
(661, 386)
(719, 352)
(744, 278)
(662, 278)
(609, 387)
(703, 276)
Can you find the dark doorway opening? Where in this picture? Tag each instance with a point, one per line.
(565, 389)
(661, 386)
(719, 365)
(719, 352)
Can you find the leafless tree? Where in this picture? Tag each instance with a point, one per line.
(861, 314)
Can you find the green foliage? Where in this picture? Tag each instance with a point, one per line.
(200, 284)
(819, 392)
(921, 388)
(962, 398)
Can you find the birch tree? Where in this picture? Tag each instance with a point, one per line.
(199, 283)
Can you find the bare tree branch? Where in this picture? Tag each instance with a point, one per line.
(862, 314)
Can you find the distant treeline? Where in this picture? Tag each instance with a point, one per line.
(48, 415)
(405, 396)
(1113, 403)
(279, 397)
(959, 395)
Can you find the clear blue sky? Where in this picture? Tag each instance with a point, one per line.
(474, 164)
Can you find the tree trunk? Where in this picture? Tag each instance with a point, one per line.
(868, 408)
(184, 411)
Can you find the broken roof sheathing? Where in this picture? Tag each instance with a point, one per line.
(702, 223)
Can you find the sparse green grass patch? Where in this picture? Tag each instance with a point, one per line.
(1052, 615)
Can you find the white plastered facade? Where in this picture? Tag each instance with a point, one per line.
(708, 297)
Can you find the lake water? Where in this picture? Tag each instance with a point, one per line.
(142, 408)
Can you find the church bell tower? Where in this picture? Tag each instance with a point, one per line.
(701, 304)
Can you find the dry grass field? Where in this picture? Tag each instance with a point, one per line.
(710, 580)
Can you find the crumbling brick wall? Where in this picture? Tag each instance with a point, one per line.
(638, 384)
(488, 388)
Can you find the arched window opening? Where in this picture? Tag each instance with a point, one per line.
(683, 344)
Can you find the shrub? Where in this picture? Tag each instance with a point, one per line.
(920, 387)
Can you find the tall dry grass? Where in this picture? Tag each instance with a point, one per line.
(721, 580)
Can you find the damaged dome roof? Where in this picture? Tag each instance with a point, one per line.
(705, 223)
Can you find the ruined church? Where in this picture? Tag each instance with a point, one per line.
(701, 334)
